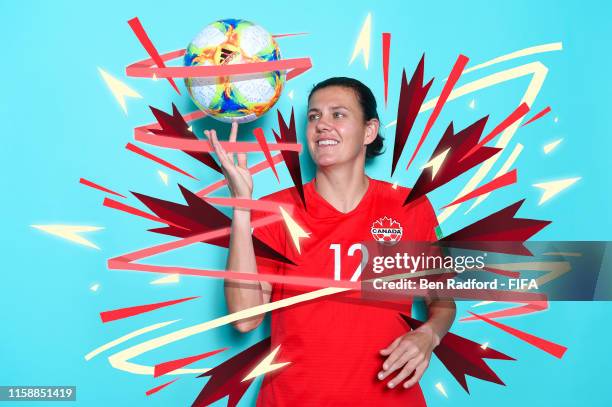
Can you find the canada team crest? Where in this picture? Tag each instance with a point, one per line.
(386, 230)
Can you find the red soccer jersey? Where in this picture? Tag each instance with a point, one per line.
(333, 343)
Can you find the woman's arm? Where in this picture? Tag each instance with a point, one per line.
(240, 294)
(441, 314)
(411, 352)
(243, 294)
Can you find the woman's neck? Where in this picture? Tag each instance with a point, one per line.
(342, 187)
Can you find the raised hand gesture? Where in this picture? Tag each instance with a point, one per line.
(238, 177)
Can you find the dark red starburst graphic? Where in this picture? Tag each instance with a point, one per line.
(463, 151)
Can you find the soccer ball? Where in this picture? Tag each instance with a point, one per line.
(241, 98)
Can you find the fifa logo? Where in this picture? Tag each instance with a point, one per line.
(387, 231)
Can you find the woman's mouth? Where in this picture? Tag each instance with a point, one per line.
(327, 143)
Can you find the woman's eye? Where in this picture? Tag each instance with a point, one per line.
(312, 117)
(338, 114)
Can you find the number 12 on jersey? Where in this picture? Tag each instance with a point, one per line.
(337, 248)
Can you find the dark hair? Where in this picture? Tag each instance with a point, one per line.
(366, 100)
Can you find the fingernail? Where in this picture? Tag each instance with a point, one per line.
(391, 385)
(385, 366)
(381, 375)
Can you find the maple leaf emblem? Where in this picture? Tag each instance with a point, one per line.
(387, 230)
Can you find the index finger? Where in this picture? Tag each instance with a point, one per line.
(234, 132)
(233, 136)
(212, 138)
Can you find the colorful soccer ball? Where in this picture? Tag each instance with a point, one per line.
(238, 98)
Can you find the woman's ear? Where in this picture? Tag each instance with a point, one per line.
(372, 127)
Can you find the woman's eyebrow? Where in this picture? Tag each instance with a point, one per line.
(314, 109)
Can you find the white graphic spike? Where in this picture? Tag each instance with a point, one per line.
(119, 89)
(70, 232)
(552, 188)
(266, 366)
(295, 230)
(169, 279)
(551, 146)
(481, 303)
(163, 176)
(436, 162)
(363, 41)
(441, 389)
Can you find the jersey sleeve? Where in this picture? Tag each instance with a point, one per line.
(430, 220)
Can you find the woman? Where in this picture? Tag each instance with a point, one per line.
(341, 350)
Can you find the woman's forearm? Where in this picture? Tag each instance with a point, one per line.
(441, 314)
(242, 294)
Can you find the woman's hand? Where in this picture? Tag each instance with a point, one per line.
(407, 354)
(238, 177)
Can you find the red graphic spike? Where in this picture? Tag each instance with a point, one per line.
(412, 96)
(199, 216)
(261, 139)
(461, 62)
(287, 35)
(174, 125)
(508, 178)
(226, 378)
(111, 203)
(158, 388)
(292, 158)
(529, 308)
(172, 365)
(538, 115)
(547, 346)
(100, 187)
(149, 47)
(454, 146)
(499, 226)
(463, 357)
(108, 316)
(507, 122)
(135, 149)
(386, 44)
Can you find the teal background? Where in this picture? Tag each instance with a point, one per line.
(60, 122)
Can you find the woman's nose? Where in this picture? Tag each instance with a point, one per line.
(322, 124)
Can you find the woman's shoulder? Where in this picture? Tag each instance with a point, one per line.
(283, 195)
(393, 193)
(391, 189)
(289, 198)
